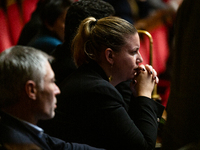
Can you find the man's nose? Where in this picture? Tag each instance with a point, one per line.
(57, 90)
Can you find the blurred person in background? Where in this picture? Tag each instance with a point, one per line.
(51, 33)
(183, 115)
(32, 27)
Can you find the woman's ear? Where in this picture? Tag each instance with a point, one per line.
(109, 53)
(31, 89)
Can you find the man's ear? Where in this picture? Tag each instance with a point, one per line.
(31, 90)
(109, 53)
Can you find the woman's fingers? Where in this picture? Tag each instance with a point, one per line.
(144, 81)
(149, 69)
(156, 80)
(152, 71)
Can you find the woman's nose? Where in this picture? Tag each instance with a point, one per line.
(139, 59)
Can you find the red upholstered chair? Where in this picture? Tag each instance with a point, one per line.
(161, 53)
(15, 21)
(164, 91)
(28, 7)
(160, 48)
(160, 56)
(5, 40)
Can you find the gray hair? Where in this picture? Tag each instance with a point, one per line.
(19, 64)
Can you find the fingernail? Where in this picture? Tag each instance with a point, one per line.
(151, 72)
(143, 69)
(154, 77)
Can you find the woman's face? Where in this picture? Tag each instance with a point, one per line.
(59, 26)
(128, 59)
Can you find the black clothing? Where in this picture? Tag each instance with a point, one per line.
(63, 65)
(98, 114)
(14, 132)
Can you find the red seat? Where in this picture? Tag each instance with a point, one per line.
(164, 91)
(160, 48)
(5, 40)
(28, 7)
(15, 21)
(160, 56)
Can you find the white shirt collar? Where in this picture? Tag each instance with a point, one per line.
(39, 131)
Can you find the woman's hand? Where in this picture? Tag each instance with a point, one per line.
(144, 81)
(152, 71)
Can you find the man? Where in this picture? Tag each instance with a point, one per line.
(28, 94)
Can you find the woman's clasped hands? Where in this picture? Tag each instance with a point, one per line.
(144, 80)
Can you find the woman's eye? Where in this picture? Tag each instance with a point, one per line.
(133, 52)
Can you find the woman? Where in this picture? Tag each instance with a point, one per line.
(106, 52)
(51, 33)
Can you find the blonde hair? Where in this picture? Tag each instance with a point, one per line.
(94, 36)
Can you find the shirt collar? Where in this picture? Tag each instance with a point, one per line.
(39, 131)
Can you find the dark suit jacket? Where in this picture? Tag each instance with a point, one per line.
(92, 111)
(63, 65)
(13, 133)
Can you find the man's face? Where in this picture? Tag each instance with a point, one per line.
(46, 97)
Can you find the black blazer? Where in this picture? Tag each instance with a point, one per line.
(90, 110)
(13, 133)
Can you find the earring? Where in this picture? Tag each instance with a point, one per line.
(110, 78)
